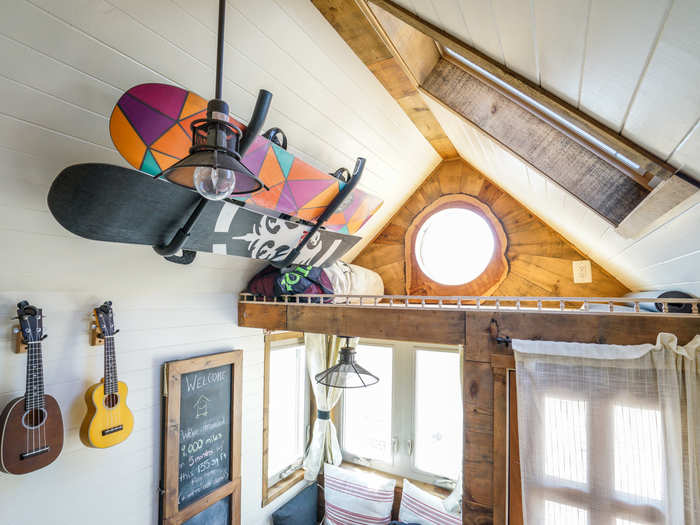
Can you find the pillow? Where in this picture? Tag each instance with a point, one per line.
(302, 509)
(357, 497)
(417, 506)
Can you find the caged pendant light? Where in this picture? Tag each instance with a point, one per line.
(347, 373)
(214, 163)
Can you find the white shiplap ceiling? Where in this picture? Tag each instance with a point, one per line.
(64, 65)
(633, 65)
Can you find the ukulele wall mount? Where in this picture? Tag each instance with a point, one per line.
(20, 343)
(96, 337)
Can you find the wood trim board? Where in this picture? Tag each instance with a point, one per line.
(353, 21)
(279, 488)
(173, 371)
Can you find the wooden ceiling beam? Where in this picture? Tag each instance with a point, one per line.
(350, 19)
(649, 165)
(578, 153)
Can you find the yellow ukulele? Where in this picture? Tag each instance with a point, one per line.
(108, 420)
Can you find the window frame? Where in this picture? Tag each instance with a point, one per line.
(275, 486)
(402, 414)
(419, 283)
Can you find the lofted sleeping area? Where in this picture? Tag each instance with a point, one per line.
(350, 262)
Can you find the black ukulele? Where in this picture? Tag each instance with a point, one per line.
(31, 427)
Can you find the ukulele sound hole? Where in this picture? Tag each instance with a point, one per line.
(111, 400)
(34, 418)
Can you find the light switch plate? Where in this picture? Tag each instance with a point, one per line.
(582, 272)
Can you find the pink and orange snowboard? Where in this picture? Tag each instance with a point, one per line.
(150, 127)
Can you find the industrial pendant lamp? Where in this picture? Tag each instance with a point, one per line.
(214, 164)
(347, 373)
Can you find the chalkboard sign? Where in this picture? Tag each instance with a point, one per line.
(201, 456)
(218, 514)
(205, 433)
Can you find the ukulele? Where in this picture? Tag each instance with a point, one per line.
(31, 427)
(108, 421)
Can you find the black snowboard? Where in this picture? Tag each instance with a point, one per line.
(110, 203)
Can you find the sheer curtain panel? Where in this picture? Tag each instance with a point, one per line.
(321, 353)
(609, 435)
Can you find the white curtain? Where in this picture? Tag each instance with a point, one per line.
(609, 434)
(321, 353)
(453, 502)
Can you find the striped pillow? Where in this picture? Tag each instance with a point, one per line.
(354, 498)
(417, 506)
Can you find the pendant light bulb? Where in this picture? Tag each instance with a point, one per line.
(214, 183)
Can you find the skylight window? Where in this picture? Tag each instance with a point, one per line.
(454, 246)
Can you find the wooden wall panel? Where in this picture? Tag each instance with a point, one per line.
(539, 258)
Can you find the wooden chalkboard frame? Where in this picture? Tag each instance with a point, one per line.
(172, 374)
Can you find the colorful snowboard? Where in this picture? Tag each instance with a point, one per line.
(110, 203)
(150, 127)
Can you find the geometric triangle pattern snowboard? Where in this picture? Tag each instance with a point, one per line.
(150, 127)
(104, 202)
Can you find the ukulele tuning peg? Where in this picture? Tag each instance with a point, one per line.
(116, 332)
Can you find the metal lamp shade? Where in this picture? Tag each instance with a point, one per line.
(347, 373)
(182, 172)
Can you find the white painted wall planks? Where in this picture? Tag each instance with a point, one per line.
(63, 66)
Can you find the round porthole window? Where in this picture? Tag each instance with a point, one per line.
(454, 246)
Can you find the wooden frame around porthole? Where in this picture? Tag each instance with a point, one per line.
(418, 283)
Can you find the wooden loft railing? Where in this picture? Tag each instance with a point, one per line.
(444, 319)
(581, 305)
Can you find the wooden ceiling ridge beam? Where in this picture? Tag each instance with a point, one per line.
(650, 166)
(631, 199)
(353, 21)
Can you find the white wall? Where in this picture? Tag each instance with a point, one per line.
(63, 65)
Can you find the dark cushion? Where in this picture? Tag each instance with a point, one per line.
(300, 510)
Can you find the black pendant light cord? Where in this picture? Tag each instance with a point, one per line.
(262, 105)
(181, 236)
(220, 50)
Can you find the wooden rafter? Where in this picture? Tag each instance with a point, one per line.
(649, 165)
(352, 24)
(553, 137)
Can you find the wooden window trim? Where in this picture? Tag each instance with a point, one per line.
(270, 493)
(418, 283)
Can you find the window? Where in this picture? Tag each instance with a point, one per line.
(285, 413)
(405, 424)
(368, 410)
(450, 259)
(455, 246)
(602, 458)
(438, 434)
